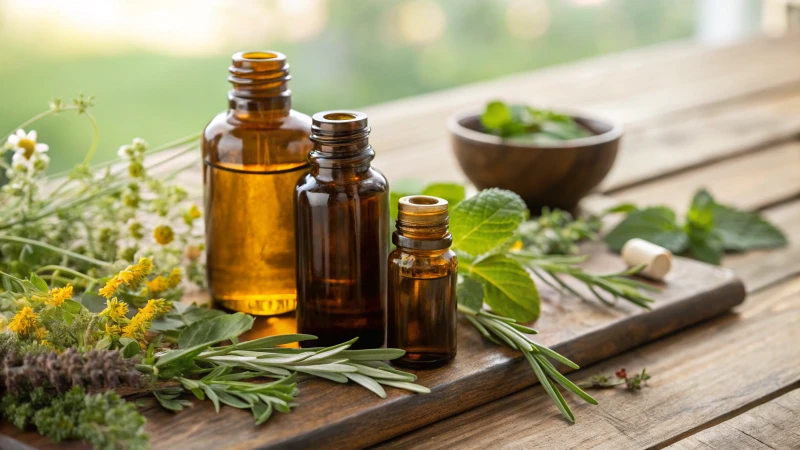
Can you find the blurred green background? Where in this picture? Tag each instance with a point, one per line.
(158, 69)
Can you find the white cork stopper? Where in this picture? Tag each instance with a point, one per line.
(658, 260)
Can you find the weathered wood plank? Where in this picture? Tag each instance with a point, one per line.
(750, 181)
(773, 425)
(347, 416)
(699, 376)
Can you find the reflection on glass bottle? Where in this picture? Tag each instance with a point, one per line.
(423, 273)
(342, 209)
(253, 154)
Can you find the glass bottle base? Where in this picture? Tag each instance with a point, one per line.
(425, 360)
(261, 305)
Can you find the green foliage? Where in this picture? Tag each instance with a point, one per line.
(508, 288)
(104, 421)
(485, 221)
(215, 330)
(526, 123)
(227, 370)
(710, 230)
(556, 232)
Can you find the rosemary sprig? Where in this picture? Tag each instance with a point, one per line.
(230, 373)
(503, 330)
(548, 268)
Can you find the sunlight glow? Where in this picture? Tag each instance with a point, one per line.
(180, 27)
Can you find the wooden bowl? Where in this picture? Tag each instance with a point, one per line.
(557, 175)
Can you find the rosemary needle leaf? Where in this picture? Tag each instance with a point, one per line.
(333, 376)
(563, 381)
(551, 390)
(272, 341)
(407, 386)
(368, 383)
(558, 357)
(377, 354)
(383, 374)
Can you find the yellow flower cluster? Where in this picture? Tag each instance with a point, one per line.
(58, 295)
(24, 322)
(115, 309)
(138, 325)
(132, 276)
(161, 284)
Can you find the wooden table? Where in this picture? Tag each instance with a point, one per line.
(723, 118)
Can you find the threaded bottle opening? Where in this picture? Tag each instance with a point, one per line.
(423, 217)
(259, 74)
(332, 129)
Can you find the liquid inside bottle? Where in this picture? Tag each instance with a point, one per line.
(253, 155)
(342, 208)
(423, 273)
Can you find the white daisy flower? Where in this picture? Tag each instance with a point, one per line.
(26, 150)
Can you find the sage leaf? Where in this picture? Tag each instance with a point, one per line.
(508, 288)
(213, 330)
(490, 218)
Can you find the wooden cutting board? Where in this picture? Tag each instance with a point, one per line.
(331, 415)
(345, 416)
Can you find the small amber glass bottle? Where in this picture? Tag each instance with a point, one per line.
(342, 208)
(423, 273)
(253, 154)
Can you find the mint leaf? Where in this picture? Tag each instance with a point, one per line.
(496, 116)
(741, 230)
(486, 220)
(657, 225)
(706, 247)
(738, 230)
(470, 293)
(454, 193)
(214, 330)
(507, 287)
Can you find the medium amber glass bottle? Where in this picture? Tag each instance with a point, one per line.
(253, 154)
(342, 209)
(423, 273)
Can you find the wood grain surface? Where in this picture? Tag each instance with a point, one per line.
(773, 425)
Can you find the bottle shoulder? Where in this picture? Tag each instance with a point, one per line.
(280, 144)
(368, 183)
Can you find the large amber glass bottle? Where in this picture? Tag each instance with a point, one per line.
(253, 155)
(423, 273)
(342, 209)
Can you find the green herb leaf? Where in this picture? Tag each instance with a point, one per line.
(508, 288)
(486, 220)
(72, 307)
(469, 293)
(496, 116)
(214, 330)
(39, 283)
(657, 225)
(738, 230)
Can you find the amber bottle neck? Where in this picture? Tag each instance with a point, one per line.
(260, 86)
(422, 223)
(341, 143)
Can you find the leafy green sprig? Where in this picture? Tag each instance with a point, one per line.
(549, 270)
(233, 374)
(503, 330)
(530, 124)
(710, 230)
